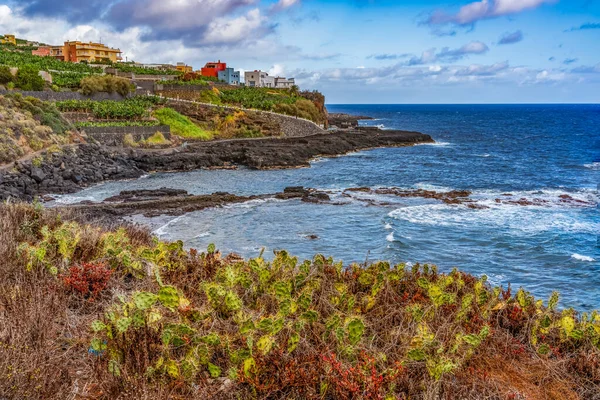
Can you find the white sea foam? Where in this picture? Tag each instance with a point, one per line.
(388, 226)
(163, 229)
(440, 144)
(70, 199)
(202, 235)
(595, 165)
(390, 237)
(518, 219)
(579, 257)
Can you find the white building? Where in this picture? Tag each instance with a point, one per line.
(258, 79)
(284, 83)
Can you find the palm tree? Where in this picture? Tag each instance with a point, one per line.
(294, 90)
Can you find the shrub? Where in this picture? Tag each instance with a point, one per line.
(87, 279)
(28, 78)
(105, 83)
(5, 75)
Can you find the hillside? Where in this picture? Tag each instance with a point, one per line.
(28, 125)
(134, 317)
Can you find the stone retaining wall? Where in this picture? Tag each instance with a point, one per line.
(114, 135)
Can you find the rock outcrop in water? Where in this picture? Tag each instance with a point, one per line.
(175, 202)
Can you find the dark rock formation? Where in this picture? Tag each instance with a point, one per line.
(82, 165)
(345, 121)
(177, 202)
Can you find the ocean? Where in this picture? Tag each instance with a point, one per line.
(545, 156)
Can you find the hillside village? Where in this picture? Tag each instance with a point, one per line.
(92, 53)
(135, 104)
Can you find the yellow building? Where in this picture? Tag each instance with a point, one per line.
(9, 39)
(89, 52)
(183, 67)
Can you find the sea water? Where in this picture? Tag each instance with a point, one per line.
(537, 153)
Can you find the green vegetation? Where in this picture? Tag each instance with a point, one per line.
(132, 108)
(181, 125)
(149, 319)
(285, 101)
(106, 84)
(5, 75)
(93, 124)
(20, 58)
(28, 125)
(28, 78)
(125, 67)
(154, 141)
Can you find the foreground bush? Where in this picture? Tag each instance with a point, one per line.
(105, 83)
(171, 323)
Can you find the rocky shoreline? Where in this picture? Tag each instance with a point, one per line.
(77, 166)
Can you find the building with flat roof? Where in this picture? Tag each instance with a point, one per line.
(259, 78)
(90, 52)
(229, 76)
(183, 67)
(9, 39)
(284, 83)
(212, 69)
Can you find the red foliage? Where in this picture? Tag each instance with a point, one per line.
(87, 279)
(361, 380)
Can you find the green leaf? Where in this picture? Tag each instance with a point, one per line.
(122, 324)
(293, 342)
(310, 315)
(355, 329)
(172, 369)
(168, 296)
(265, 324)
(264, 344)
(214, 370)
(98, 326)
(246, 327)
(416, 355)
(211, 339)
(113, 368)
(98, 345)
(249, 365)
(211, 248)
(144, 300)
(544, 349)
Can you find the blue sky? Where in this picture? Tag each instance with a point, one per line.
(356, 51)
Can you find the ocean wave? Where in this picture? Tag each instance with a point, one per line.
(162, 231)
(440, 144)
(518, 219)
(388, 226)
(70, 199)
(580, 257)
(594, 165)
(390, 237)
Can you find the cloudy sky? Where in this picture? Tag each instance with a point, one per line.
(355, 51)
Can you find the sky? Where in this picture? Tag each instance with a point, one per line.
(354, 51)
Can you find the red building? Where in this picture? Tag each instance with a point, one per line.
(212, 69)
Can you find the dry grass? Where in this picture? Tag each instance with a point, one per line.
(178, 324)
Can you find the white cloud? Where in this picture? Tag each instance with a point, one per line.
(241, 29)
(484, 9)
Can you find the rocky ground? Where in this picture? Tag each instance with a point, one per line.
(345, 121)
(78, 166)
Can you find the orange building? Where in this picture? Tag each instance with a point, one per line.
(89, 52)
(43, 51)
(212, 69)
